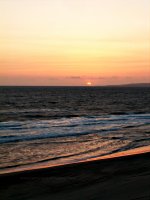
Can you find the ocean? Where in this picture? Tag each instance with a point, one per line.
(50, 126)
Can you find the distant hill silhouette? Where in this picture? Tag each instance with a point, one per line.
(131, 85)
(136, 85)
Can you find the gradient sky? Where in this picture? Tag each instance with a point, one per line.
(72, 42)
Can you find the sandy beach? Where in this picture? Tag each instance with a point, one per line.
(125, 177)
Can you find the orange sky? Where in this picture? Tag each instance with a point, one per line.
(72, 42)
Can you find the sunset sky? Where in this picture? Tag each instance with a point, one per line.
(74, 42)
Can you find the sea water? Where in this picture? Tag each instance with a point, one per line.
(59, 125)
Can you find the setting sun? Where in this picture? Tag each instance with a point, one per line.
(89, 83)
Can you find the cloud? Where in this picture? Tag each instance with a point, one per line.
(52, 78)
(74, 77)
(104, 77)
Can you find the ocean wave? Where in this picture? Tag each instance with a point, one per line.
(17, 131)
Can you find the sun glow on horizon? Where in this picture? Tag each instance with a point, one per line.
(89, 83)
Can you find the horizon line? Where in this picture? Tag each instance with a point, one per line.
(126, 84)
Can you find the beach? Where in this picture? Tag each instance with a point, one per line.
(125, 177)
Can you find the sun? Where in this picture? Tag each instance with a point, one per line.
(89, 83)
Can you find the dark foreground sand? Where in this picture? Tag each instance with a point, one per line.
(122, 178)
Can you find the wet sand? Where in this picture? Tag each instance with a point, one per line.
(125, 177)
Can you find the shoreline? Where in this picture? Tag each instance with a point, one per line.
(42, 166)
(117, 178)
